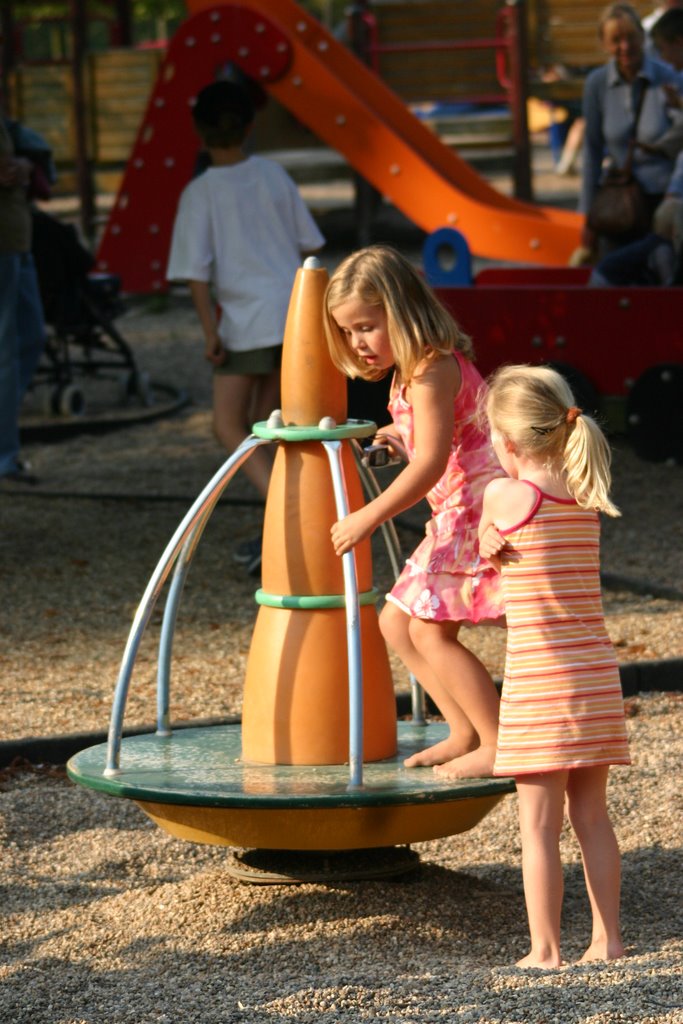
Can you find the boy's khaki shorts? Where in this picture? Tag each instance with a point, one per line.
(256, 362)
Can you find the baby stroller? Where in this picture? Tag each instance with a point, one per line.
(80, 308)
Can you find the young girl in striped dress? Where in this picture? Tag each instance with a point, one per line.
(562, 716)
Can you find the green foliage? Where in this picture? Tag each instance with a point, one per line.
(165, 10)
(157, 9)
(36, 11)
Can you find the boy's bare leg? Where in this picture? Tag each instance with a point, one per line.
(266, 395)
(587, 808)
(232, 402)
(395, 626)
(541, 811)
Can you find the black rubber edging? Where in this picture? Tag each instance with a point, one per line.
(665, 676)
(54, 429)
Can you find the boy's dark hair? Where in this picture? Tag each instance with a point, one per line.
(670, 26)
(222, 114)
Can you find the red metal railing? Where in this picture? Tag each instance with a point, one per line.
(500, 44)
(509, 46)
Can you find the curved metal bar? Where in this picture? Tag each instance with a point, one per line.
(188, 532)
(393, 545)
(182, 567)
(373, 490)
(353, 644)
(418, 702)
(168, 625)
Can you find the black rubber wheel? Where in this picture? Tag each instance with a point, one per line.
(654, 414)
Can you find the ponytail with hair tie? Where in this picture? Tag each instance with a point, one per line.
(572, 413)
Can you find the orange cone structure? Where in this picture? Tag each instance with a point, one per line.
(296, 699)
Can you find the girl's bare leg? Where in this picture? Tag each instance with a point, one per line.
(541, 811)
(476, 695)
(458, 684)
(232, 402)
(395, 626)
(587, 808)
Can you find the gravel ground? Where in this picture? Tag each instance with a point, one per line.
(107, 919)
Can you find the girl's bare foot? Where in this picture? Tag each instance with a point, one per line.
(602, 950)
(476, 764)
(444, 750)
(547, 962)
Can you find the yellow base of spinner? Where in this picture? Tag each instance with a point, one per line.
(345, 828)
(195, 785)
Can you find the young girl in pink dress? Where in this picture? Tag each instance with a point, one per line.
(562, 712)
(379, 315)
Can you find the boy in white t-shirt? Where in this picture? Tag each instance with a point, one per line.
(240, 233)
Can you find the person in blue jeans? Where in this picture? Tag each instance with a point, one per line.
(22, 330)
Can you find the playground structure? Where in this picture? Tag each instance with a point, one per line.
(291, 55)
(620, 348)
(316, 763)
(540, 312)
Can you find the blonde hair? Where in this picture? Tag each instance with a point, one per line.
(419, 327)
(533, 406)
(619, 12)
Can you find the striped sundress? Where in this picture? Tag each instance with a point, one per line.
(561, 703)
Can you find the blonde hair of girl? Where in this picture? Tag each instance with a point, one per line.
(419, 327)
(534, 408)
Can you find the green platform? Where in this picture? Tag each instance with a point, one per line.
(194, 785)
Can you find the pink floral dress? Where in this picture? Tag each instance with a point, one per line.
(445, 578)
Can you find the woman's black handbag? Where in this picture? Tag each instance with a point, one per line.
(619, 211)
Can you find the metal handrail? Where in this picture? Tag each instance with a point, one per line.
(184, 541)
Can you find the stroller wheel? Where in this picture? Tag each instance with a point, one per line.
(67, 400)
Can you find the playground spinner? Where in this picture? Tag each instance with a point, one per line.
(317, 760)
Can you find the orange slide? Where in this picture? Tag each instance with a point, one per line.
(349, 107)
(346, 105)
